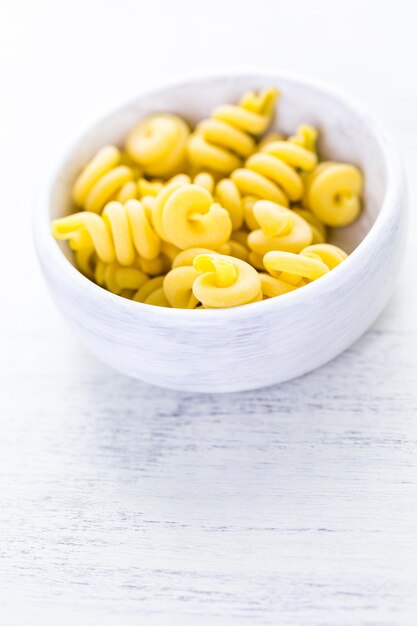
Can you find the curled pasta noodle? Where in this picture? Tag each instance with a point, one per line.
(272, 173)
(222, 141)
(281, 229)
(333, 193)
(118, 234)
(311, 263)
(101, 179)
(159, 144)
(158, 207)
(292, 268)
(190, 218)
(225, 281)
(178, 287)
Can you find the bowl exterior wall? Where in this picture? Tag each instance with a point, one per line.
(264, 346)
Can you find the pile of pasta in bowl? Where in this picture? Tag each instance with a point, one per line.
(219, 216)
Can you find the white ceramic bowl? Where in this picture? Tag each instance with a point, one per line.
(258, 344)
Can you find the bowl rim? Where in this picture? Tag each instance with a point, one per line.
(46, 245)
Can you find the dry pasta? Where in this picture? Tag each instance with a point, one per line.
(223, 216)
(221, 142)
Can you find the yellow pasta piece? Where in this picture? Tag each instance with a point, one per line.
(159, 207)
(158, 144)
(190, 218)
(101, 179)
(221, 142)
(333, 193)
(119, 233)
(225, 281)
(178, 284)
(281, 229)
(291, 267)
(271, 173)
(311, 263)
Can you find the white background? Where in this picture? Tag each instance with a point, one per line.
(123, 504)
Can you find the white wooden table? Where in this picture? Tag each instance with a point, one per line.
(123, 504)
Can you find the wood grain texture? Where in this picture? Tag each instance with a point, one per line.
(122, 504)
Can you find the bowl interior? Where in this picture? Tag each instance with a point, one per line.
(344, 133)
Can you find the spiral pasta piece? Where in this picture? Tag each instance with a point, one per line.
(272, 173)
(333, 193)
(311, 263)
(178, 287)
(101, 179)
(190, 218)
(118, 234)
(281, 229)
(221, 142)
(225, 281)
(159, 144)
(292, 268)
